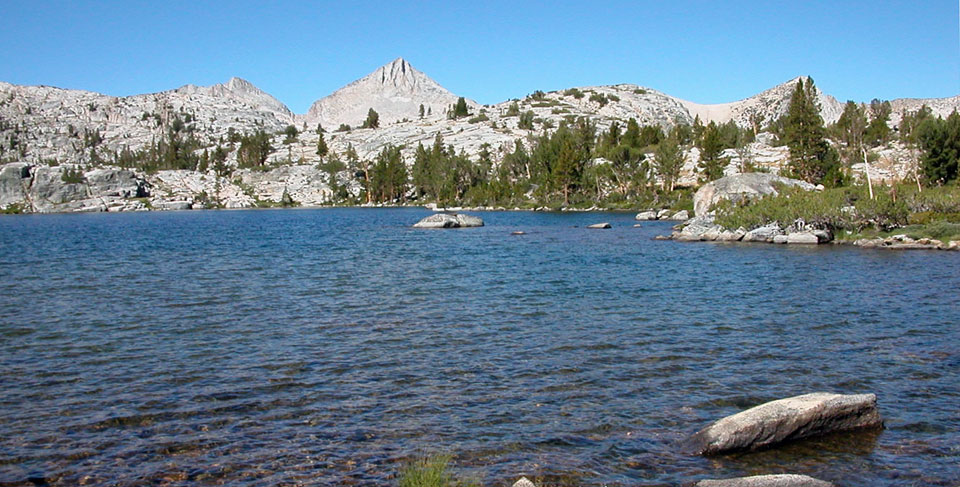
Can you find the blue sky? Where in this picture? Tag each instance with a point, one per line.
(704, 51)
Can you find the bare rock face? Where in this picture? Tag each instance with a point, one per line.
(788, 419)
(395, 91)
(14, 179)
(782, 480)
(740, 187)
(446, 220)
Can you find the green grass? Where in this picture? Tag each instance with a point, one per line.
(431, 471)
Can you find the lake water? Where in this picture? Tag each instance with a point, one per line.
(328, 347)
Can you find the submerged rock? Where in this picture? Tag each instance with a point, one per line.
(788, 419)
(599, 225)
(524, 482)
(782, 480)
(446, 220)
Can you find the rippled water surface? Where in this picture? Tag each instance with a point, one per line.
(327, 347)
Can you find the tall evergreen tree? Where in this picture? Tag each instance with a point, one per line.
(322, 149)
(669, 159)
(460, 110)
(373, 120)
(811, 158)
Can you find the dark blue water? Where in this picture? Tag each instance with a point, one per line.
(328, 347)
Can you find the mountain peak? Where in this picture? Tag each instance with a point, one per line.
(243, 91)
(395, 91)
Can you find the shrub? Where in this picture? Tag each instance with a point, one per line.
(343, 128)
(72, 175)
(599, 98)
(836, 209)
(526, 120)
(479, 118)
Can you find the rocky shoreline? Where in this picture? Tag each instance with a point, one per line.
(705, 229)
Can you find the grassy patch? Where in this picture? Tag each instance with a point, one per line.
(431, 472)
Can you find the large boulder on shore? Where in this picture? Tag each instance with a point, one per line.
(781, 480)
(788, 419)
(446, 220)
(741, 187)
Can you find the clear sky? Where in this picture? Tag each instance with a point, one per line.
(490, 51)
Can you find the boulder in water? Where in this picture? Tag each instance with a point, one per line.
(524, 482)
(782, 480)
(447, 220)
(599, 225)
(788, 419)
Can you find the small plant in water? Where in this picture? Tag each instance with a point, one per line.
(431, 471)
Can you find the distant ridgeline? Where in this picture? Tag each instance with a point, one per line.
(395, 136)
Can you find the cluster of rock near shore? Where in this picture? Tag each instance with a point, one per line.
(771, 424)
(744, 187)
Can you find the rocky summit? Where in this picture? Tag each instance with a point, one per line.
(43, 126)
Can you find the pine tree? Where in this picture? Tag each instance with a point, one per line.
(322, 148)
(460, 110)
(711, 145)
(803, 130)
(373, 120)
(421, 110)
(669, 159)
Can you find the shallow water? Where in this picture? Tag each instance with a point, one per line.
(327, 347)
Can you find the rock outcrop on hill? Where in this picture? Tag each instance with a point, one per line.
(741, 187)
(46, 126)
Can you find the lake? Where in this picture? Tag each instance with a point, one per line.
(330, 346)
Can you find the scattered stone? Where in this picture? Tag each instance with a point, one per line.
(741, 187)
(518, 232)
(599, 225)
(663, 237)
(731, 235)
(788, 419)
(637, 225)
(699, 228)
(680, 216)
(763, 234)
(446, 220)
(171, 205)
(807, 238)
(782, 480)
(647, 215)
(779, 239)
(524, 482)
(663, 214)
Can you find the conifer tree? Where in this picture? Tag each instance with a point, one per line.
(373, 120)
(322, 148)
(460, 110)
(811, 158)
